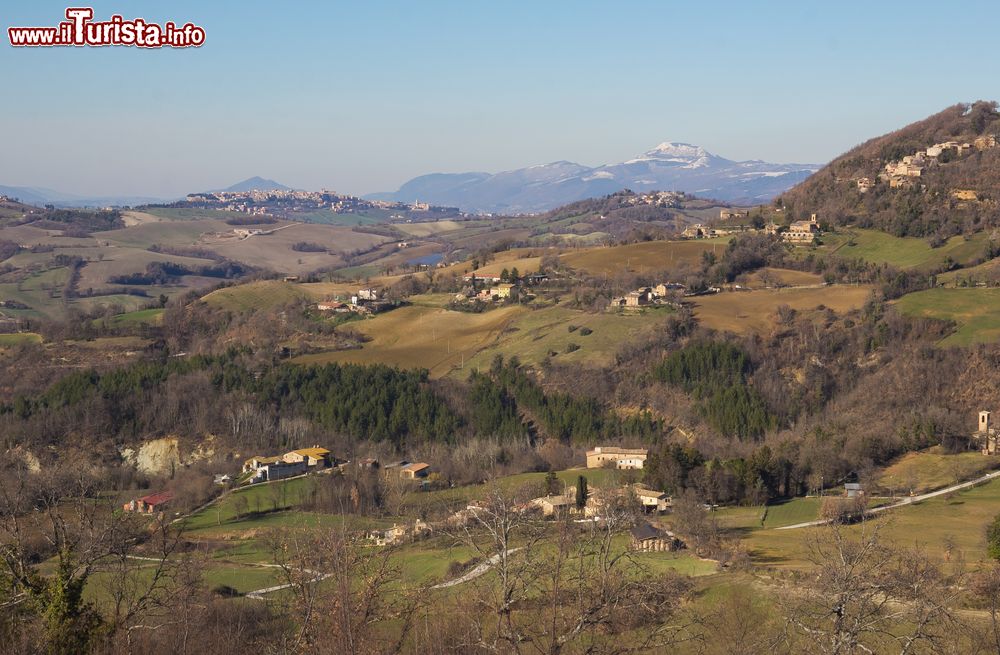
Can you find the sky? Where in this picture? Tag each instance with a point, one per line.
(359, 97)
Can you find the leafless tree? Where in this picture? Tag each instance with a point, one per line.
(867, 596)
(61, 514)
(502, 534)
(985, 585)
(342, 593)
(740, 625)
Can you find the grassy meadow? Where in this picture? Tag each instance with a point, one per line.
(975, 312)
(904, 252)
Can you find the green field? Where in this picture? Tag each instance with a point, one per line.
(790, 512)
(190, 214)
(327, 217)
(904, 252)
(544, 333)
(920, 472)
(426, 335)
(20, 337)
(267, 294)
(153, 316)
(250, 509)
(958, 520)
(976, 312)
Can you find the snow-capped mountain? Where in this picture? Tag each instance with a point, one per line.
(667, 167)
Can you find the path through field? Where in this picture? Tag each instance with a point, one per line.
(906, 501)
(475, 572)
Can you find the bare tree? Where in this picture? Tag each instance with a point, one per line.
(502, 534)
(342, 593)
(866, 594)
(986, 586)
(61, 514)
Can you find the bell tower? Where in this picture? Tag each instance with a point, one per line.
(984, 422)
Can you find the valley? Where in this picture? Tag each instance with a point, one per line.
(645, 414)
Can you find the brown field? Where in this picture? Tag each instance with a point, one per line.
(274, 251)
(784, 277)
(745, 312)
(430, 228)
(475, 241)
(122, 261)
(646, 257)
(421, 336)
(139, 218)
(526, 260)
(329, 290)
(30, 235)
(172, 233)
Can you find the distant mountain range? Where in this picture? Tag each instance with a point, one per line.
(667, 167)
(40, 196)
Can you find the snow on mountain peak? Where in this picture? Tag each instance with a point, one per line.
(685, 150)
(690, 156)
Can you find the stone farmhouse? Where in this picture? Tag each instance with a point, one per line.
(620, 458)
(555, 505)
(802, 231)
(292, 463)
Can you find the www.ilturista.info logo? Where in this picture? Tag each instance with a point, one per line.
(80, 30)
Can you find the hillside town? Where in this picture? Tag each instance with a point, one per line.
(288, 203)
(905, 172)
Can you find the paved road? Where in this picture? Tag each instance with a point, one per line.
(258, 594)
(475, 572)
(906, 501)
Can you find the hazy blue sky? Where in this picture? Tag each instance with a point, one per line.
(361, 96)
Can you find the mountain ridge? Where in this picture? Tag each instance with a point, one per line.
(674, 166)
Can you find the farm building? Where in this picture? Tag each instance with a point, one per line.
(646, 538)
(802, 231)
(853, 490)
(149, 504)
(655, 502)
(314, 456)
(503, 291)
(415, 470)
(278, 471)
(555, 505)
(621, 458)
(255, 463)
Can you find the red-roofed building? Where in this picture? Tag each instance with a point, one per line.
(149, 504)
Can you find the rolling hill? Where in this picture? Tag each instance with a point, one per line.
(935, 178)
(255, 183)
